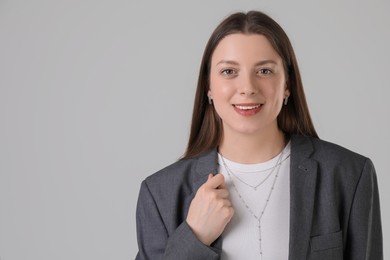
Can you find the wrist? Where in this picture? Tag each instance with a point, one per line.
(203, 239)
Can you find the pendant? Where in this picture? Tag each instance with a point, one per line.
(260, 247)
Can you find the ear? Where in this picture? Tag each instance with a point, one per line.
(209, 93)
(286, 90)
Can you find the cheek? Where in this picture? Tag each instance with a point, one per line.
(278, 89)
(220, 89)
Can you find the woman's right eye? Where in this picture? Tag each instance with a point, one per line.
(227, 72)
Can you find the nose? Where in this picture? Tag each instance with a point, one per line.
(247, 86)
(247, 92)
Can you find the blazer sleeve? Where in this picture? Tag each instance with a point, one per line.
(154, 241)
(364, 234)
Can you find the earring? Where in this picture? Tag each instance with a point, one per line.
(285, 100)
(210, 100)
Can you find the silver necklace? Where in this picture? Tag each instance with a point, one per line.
(256, 217)
(254, 187)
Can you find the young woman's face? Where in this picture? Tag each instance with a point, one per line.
(247, 83)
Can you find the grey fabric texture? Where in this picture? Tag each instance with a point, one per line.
(334, 206)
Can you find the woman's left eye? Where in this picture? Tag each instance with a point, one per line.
(265, 71)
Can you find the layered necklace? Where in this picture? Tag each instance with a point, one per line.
(271, 170)
(258, 217)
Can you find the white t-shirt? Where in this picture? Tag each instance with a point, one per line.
(241, 235)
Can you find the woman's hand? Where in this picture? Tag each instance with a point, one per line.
(211, 210)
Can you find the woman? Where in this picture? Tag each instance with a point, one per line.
(255, 175)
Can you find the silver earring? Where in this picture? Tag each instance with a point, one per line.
(285, 100)
(210, 100)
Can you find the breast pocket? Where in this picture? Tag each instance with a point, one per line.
(328, 246)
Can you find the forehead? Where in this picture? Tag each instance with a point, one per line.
(245, 48)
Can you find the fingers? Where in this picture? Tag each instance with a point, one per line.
(217, 184)
(214, 187)
(214, 190)
(226, 203)
(215, 181)
(221, 193)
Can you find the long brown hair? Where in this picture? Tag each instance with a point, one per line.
(294, 118)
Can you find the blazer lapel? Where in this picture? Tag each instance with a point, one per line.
(208, 163)
(303, 176)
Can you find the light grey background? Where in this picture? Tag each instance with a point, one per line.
(97, 95)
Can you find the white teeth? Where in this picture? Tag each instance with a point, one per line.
(247, 107)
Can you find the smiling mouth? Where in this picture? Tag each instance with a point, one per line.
(246, 107)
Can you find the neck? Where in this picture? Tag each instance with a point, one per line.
(248, 149)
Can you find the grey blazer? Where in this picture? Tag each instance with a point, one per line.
(334, 206)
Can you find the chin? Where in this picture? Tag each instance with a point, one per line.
(249, 130)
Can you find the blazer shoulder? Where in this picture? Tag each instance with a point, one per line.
(335, 158)
(174, 172)
(329, 155)
(335, 152)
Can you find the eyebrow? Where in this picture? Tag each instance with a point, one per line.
(232, 62)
